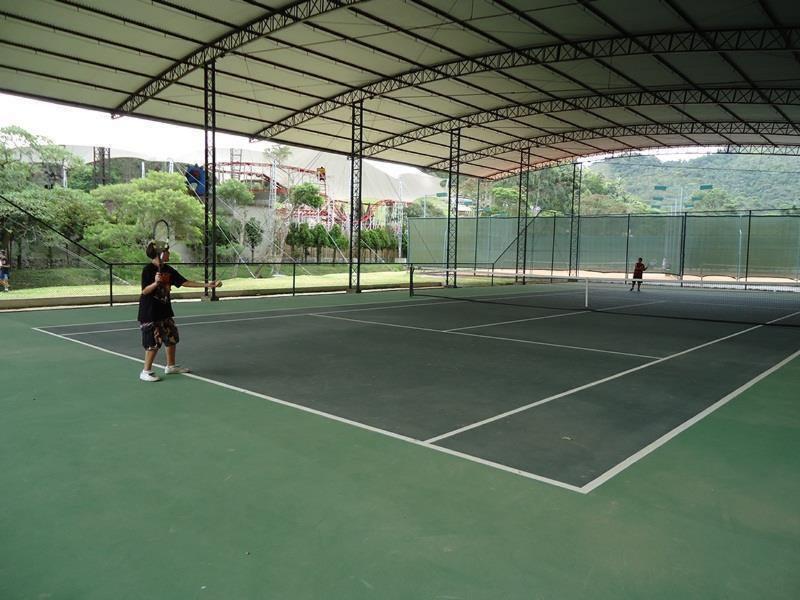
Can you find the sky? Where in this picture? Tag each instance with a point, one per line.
(150, 139)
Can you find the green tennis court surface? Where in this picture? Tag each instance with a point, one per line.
(407, 485)
(522, 378)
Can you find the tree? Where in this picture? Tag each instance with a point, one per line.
(717, 199)
(306, 194)
(27, 159)
(277, 154)
(235, 193)
(425, 207)
(254, 235)
(338, 240)
(305, 239)
(506, 199)
(319, 236)
(299, 235)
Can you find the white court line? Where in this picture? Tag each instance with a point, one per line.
(634, 458)
(428, 444)
(631, 306)
(343, 420)
(181, 322)
(580, 312)
(402, 303)
(480, 335)
(592, 384)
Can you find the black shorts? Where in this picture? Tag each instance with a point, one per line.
(159, 333)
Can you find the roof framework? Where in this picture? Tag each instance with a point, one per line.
(557, 80)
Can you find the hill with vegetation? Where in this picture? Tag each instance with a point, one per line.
(739, 181)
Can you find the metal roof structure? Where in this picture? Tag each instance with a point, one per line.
(546, 80)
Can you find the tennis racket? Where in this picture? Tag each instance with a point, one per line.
(161, 239)
(161, 236)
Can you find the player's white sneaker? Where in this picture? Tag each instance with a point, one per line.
(149, 376)
(172, 369)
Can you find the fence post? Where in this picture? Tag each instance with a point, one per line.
(627, 246)
(747, 256)
(553, 249)
(683, 247)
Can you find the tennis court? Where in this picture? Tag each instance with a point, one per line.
(378, 445)
(528, 379)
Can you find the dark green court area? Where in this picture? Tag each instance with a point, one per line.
(203, 487)
(522, 378)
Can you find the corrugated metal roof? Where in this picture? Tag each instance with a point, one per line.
(563, 79)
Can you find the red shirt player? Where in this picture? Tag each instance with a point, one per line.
(638, 270)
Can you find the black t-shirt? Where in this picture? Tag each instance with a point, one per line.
(156, 306)
(4, 265)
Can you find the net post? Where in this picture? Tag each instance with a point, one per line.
(411, 281)
(492, 274)
(294, 278)
(586, 294)
(110, 284)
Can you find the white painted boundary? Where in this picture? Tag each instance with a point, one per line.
(339, 419)
(619, 468)
(430, 445)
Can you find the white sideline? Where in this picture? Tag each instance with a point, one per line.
(634, 458)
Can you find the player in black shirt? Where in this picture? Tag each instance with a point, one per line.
(155, 309)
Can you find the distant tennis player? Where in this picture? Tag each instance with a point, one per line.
(155, 309)
(638, 271)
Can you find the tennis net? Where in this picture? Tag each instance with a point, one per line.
(763, 303)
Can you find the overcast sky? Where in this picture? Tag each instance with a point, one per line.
(159, 141)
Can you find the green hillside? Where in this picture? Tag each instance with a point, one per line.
(739, 181)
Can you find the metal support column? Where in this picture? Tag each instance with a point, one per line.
(454, 167)
(522, 213)
(578, 228)
(572, 219)
(210, 131)
(477, 227)
(356, 156)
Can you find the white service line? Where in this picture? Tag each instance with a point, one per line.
(480, 335)
(631, 306)
(400, 303)
(580, 312)
(634, 458)
(584, 387)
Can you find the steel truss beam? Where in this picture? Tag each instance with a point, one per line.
(592, 102)
(253, 30)
(769, 39)
(356, 155)
(452, 207)
(709, 128)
